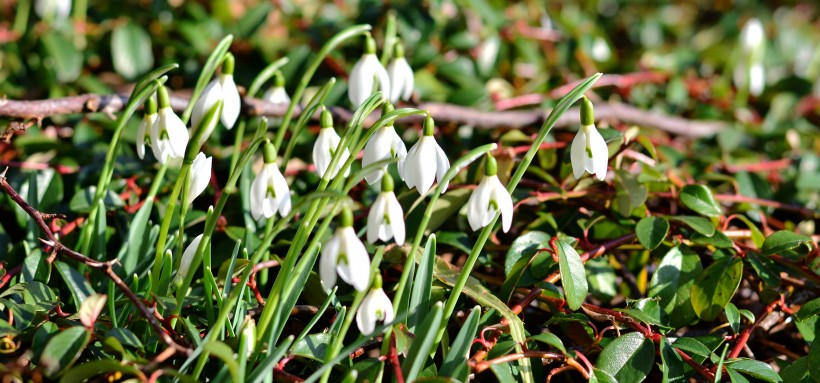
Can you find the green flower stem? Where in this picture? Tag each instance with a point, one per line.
(308, 111)
(559, 110)
(389, 38)
(329, 46)
(336, 344)
(256, 85)
(144, 88)
(213, 62)
(166, 226)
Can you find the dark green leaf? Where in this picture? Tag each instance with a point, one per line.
(672, 283)
(423, 344)
(96, 368)
(422, 284)
(672, 368)
(629, 358)
(808, 310)
(460, 347)
(131, 50)
(550, 339)
(64, 349)
(783, 240)
(754, 368)
(699, 198)
(573, 276)
(716, 286)
(698, 224)
(651, 231)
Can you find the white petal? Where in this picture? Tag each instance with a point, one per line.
(384, 304)
(277, 95)
(378, 148)
(321, 151)
(327, 263)
(600, 153)
(200, 176)
(401, 79)
(177, 133)
(188, 256)
(406, 167)
(577, 153)
(381, 74)
(155, 142)
(375, 218)
(356, 271)
(233, 104)
(505, 205)
(212, 93)
(425, 164)
(258, 191)
(478, 203)
(280, 187)
(757, 79)
(144, 129)
(360, 83)
(396, 214)
(365, 316)
(442, 165)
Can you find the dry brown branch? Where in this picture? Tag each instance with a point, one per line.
(443, 113)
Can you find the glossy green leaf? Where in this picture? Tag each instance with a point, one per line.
(455, 361)
(673, 367)
(716, 286)
(629, 357)
(700, 199)
(423, 344)
(698, 224)
(755, 369)
(783, 240)
(422, 284)
(64, 349)
(573, 275)
(651, 231)
(97, 368)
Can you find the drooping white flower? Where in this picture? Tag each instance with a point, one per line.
(209, 97)
(425, 162)
(233, 104)
(326, 145)
(588, 151)
(489, 198)
(385, 143)
(375, 307)
(269, 191)
(144, 130)
(345, 254)
(187, 258)
(401, 76)
(200, 177)
(53, 9)
(364, 73)
(277, 94)
(169, 137)
(249, 335)
(386, 218)
(749, 72)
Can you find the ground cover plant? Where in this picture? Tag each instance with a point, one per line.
(398, 191)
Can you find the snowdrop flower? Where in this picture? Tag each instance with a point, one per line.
(169, 137)
(589, 151)
(53, 9)
(346, 255)
(386, 218)
(489, 198)
(363, 73)
(375, 307)
(200, 176)
(750, 73)
(326, 145)
(385, 143)
(269, 191)
(277, 94)
(212, 95)
(230, 110)
(144, 131)
(249, 335)
(425, 162)
(401, 76)
(187, 258)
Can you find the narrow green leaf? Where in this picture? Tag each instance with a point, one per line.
(699, 198)
(423, 344)
(64, 349)
(716, 286)
(651, 231)
(732, 316)
(460, 347)
(755, 369)
(783, 240)
(226, 354)
(422, 285)
(573, 276)
(97, 368)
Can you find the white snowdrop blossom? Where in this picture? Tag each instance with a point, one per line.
(386, 218)
(200, 177)
(187, 258)
(375, 307)
(367, 70)
(588, 151)
(425, 162)
(144, 130)
(269, 191)
(750, 72)
(212, 94)
(488, 198)
(249, 335)
(401, 77)
(53, 9)
(385, 143)
(345, 255)
(233, 104)
(326, 145)
(277, 94)
(169, 137)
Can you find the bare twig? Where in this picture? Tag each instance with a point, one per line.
(444, 113)
(51, 241)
